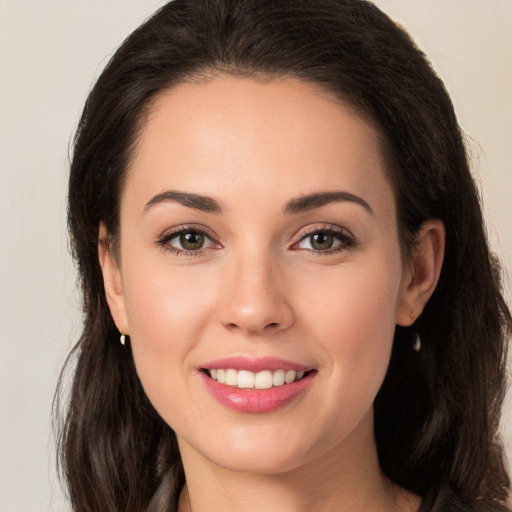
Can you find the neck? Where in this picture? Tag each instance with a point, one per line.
(341, 479)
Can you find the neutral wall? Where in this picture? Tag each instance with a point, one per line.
(50, 52)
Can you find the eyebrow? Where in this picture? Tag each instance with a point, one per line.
(296, 205)
(196, 201)
(319, 199)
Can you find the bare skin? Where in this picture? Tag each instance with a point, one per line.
(324, 486)
(227, 163)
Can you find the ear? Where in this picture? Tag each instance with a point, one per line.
(422, 274)
(112, 281)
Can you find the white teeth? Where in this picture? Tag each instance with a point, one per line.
(231, 377)
(290, 376)
(263, 380)
(245, 379)
(278, 377)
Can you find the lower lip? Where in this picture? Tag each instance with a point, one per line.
(257, 400)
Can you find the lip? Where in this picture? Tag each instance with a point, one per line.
(256, 400)
(255, 365)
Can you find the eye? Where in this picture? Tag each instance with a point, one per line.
(189, 241)
(319, 242)
(186, 240)
(326, 240)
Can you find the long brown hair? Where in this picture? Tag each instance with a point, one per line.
(437, 414)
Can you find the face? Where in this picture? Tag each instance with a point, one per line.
(259, 244)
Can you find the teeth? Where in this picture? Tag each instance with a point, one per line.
(263, 380)
(290, 376)
(278, 377)
(244, 379)
(232, 378)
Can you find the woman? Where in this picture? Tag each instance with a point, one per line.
(289, 299)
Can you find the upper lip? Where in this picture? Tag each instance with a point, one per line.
(255, 364)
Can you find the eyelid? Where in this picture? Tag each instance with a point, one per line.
(345, 237)
(169, 234)
(331, 228)
(343, 234)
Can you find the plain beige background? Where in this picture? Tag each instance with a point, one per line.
(50, 53)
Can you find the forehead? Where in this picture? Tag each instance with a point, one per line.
(235, 135)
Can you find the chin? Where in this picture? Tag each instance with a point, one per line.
(262, 452)
(281, 456)
(267, 463)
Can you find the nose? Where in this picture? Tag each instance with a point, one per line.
(254, 298)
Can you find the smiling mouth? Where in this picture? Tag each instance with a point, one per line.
(244, 379)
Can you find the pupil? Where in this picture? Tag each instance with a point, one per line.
(321, 241)
(191, 241)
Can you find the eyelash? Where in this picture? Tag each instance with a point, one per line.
(164, 240)
(346, 239)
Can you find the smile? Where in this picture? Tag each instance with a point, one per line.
(256, 385)
(245, 379)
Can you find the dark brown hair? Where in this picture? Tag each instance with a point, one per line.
(437, 414)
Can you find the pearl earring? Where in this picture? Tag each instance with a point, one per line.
(417, 343)
(122, 339)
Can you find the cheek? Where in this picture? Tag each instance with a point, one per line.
(166, 314)
(164, 304)
(352, 314)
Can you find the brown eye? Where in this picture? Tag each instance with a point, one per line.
(321, 241)
(191, 241)
(326, 240)
(187, 241)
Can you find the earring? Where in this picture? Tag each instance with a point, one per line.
(416, 346)
(122, 339)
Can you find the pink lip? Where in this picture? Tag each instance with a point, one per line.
(256, 400)
(255, 365)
